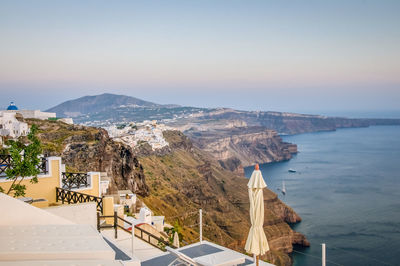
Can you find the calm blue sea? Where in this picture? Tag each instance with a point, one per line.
(347, 191)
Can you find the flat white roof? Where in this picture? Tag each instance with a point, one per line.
(62, 263)
(18, 212)
(28, 233)
(53, 242)
(206, 253)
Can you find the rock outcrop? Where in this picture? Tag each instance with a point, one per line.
(85, 149)
(283, 123)
(240, 147)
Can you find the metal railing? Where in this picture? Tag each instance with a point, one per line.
(6, 163)
(142, 234)
(43, 166)
(71, 197)
(74, 180)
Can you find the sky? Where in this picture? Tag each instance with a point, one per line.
(298, 56)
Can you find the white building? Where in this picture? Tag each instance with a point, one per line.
(135, 133)
(145, 215)
(37, 114)
(10, 126)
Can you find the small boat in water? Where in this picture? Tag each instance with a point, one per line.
(291, 170)
(283, 190)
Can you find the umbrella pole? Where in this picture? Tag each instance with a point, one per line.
(257, 260)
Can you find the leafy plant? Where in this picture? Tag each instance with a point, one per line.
(171, 231)
(24, 162)
(161, 244)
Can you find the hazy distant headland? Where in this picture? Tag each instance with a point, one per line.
(106, 109)
(235, 138)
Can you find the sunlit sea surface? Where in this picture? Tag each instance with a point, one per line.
(347, 191)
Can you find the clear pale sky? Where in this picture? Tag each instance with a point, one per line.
(301, 56)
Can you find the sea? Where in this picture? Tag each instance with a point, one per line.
(346, 189)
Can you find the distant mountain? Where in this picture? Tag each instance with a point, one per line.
(100, 103)
(110, 109)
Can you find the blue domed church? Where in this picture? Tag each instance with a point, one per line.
(12, 107)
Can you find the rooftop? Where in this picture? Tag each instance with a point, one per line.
(12, 106)
(205, 253)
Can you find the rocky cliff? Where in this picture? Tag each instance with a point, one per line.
(281, 122)
(187, 179)
(240, 138)
(176, 183)
(240, 147)
(85, 149)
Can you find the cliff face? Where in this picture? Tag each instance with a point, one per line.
(287, 123)
(283, 123)
(188, 179)
(240, 147)
(105, 155)
(239, 138)
(85, 149)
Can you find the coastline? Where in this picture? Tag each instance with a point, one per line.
(330, 167)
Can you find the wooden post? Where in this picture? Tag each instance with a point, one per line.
(115, 225)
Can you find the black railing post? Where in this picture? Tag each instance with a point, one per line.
(98, 221)
(115, 225)
(100, 204)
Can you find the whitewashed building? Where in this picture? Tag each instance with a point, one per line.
(36, 114)
(133, 134)
(10, 126)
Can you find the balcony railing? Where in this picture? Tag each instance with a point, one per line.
(6, 163)
(75, 180)
(71, 197)
(148, 237)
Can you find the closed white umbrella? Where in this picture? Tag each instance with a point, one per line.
(176, 240)
(256, 243)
